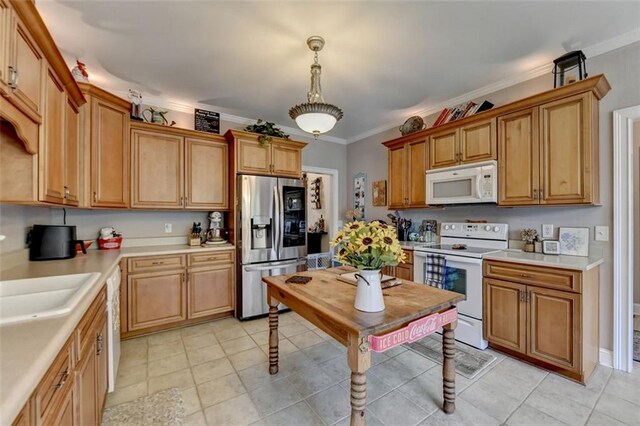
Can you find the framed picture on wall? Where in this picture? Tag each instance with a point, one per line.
(574, 241)
(379, 193)
(359, 186)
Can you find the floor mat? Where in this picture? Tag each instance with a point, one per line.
(164, 408)
(469, 361)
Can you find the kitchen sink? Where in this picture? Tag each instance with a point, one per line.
(36, 298)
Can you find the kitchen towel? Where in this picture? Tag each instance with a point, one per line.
(435, 269)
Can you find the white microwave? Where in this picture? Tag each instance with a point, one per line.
(465, 184)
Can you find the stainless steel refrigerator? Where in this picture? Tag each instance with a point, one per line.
(272, 237)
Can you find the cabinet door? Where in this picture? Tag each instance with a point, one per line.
(211, 291)
(518, 168)
(207, 174)
(52, 149)
(102, 362)
(7, 39)
(66, 413)
(554, 327)
(156, 170)
(404, 272)
(443, 149)
(478, 141)
(109, 155)
(286, 160)
(72, 155)
(397, 178)
(156, 299)
(86, 379)
(416, 167)
(25, 418)
(505, 314)
(253, 157)
(29, 63)
(565, 129)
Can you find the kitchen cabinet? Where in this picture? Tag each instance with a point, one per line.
(549, 154)
(105, 135)
(156, 299)
(86, 386)
(277, 157)
(7, 35)
(171, 291)
(402, 270)
(469, 143)
(102, 362)
(178, 169)
(52, 150)
(407, 164)
(72, 155)
(547, 316)
(25, 417)
(28, 70)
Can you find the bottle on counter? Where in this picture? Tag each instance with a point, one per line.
(321, 224)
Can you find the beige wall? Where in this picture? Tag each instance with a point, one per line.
(636, 211)
(621, 69)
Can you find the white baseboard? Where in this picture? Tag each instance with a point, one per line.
(606, 357)
(636, 308)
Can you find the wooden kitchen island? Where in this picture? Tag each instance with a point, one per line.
(412, 311)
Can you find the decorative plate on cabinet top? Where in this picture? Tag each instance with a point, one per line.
(412, 125)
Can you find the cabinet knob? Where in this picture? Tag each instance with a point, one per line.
(535, 194)
(99, 344)
(13, 76)
(63, 379)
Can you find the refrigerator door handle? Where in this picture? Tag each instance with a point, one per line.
(275, 265)
(276, 221)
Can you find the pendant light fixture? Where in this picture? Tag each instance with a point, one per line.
(315, 116)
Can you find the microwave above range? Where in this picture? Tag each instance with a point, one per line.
(465, 184)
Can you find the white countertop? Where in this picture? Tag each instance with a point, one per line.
(27, 349)
(567, 262)
(410, 245)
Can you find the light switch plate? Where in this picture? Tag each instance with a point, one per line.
(547, 230)
(168, 228)
(602, 233)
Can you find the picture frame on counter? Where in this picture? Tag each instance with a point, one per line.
(574, 241)
(551, 247)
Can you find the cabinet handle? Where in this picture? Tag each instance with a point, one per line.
(186, 200)
(157, 263)
(525, 276)
(100, 344)
(63, 380)
(211, 258)
(13, 77)
(535, 194)
(541, 194)
(95, 197)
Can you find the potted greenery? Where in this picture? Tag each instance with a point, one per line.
(369, 248)
(266, 130)
(529, 236)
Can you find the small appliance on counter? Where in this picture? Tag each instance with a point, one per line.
(215, 231)
(53, 242)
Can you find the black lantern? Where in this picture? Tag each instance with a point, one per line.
(568, 62)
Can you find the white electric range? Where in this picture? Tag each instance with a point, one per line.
(466, 264)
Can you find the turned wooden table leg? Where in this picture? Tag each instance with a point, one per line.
(273, 335)
(449, 368)
(359, 359)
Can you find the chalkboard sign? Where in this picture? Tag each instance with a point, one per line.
(207, 121)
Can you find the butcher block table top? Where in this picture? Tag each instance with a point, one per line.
(328, 303)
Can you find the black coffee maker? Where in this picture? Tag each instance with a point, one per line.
(51, 242)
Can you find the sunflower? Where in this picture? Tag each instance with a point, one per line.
(355, 226)
(366, 241)
(386, 242)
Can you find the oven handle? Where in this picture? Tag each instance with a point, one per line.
(452, 258)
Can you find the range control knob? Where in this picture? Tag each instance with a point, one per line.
(446, 227)
(487, 228)
(496, 229)
(453, 227)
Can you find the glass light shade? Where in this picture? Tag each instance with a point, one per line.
(316, 122)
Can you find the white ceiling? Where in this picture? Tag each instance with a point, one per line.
(382, 62)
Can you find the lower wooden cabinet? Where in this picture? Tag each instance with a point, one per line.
(403, 270)
(175, 290)
(74, 388)
(525, 315)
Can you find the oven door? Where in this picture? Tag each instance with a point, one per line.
(467, 274)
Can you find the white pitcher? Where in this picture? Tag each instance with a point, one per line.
(369, 291)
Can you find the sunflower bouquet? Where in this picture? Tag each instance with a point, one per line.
(368, 246)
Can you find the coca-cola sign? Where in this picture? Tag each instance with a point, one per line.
(412, 332)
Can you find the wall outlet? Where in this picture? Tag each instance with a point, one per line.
(168, 228)
(547, 230)
(602, 233)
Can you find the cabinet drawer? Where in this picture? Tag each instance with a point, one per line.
(86, 327)
(409, 257)
(210, 258)
(54, 385)
(156, 263)
(561, 279)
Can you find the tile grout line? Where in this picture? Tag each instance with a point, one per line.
(527, 397)
(600, 396)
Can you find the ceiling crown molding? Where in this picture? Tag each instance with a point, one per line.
(590, 51)
(189, 108)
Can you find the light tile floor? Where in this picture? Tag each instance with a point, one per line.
(221, 368)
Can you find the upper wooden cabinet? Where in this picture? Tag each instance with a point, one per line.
(52, 150)
(178, 169)
(105, 135)
(406, 173)
(279, 157)
(469, 143)
(27, 54)
(549, 153)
